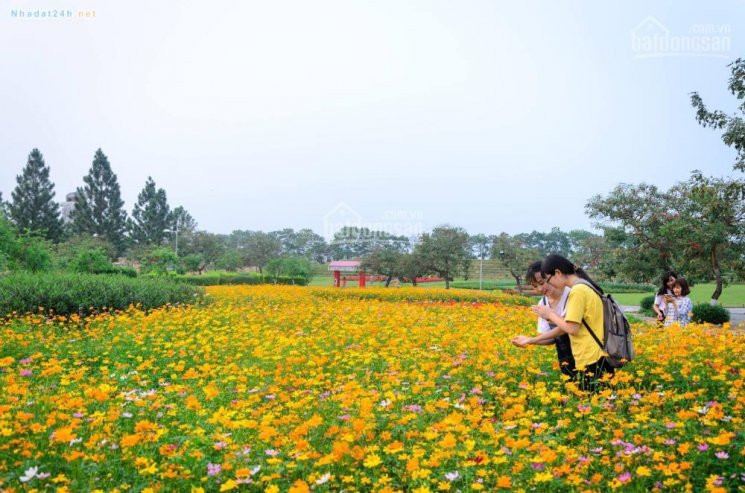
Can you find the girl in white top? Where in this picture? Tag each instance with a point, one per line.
(548, 333)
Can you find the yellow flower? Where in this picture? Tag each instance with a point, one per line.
(228, 485)
(372, 460)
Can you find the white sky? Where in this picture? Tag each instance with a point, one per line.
(493, 116)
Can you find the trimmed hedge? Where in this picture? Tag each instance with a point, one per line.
(250, 278)
(70, 293)
(711, 314)
(646, 306)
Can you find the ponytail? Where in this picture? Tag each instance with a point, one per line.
(555, 262)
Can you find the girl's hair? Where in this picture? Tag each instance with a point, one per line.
(535, 268)
(663, 284)
(555, 262)
(685, 290)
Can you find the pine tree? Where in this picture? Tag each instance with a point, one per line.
(33, 207)
(151, 216)
(99, 207)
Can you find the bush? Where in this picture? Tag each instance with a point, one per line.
(91, 261)
(646, 306)
(216, 279)
(160, 261)
(623, 287)
(69, 293)
(711, 314)
(290, 266)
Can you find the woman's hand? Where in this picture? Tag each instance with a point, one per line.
(542, 311)
(520, 341)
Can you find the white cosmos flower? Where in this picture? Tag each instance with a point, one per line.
(29, 474)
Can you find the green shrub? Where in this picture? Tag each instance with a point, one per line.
(712, 314)
(624, 287)
(216, 279)
(91, 261)
(290, 266)
(646, 306)
(160, 260)
(68, 293)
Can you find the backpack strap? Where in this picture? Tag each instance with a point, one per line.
(592, 333)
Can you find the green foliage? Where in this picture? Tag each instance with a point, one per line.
(512, 253)
(69, 293)
(647, 303)
(230, 260)
(92, 261)
(302, 243)
(159, 261)
(34, 254)
(732, 126)
(219, 278)
(33, 208)
(193, 262)
(355, 242)
(150, 216)
(99, 208)
(446, 252)
(707, 313)
(68, 250)
(290, 267)
(646, 306)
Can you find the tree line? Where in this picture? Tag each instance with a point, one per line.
(696, 227)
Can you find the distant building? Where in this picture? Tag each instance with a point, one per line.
(68, 206)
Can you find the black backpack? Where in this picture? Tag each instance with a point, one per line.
(618, 349)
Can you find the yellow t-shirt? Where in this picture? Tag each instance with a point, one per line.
(583, 302)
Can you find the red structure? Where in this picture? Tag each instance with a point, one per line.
(339, 266)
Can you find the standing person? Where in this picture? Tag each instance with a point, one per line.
(666, 287)
(678, 305)
(584, 309)
(548, 333)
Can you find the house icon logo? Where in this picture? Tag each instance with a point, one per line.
(339, 217)
(648, 36)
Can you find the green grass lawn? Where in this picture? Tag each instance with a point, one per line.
(732, 295)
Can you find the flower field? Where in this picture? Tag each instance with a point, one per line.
(280, 388)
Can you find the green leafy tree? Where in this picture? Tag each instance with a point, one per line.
(230, 260)
(513, 255)
(181, 226)
(640, 212)
(257, 247)
(207, 246)
(356, 242)
(446, 252)
(193, 262)
(160, 260)
(99, 208)
(412, 266)
(708, 228)
(732, 126)
(294, 266)
(34, 253)
(33, 207)
(385, 262)
(151, 216)
(92, 261)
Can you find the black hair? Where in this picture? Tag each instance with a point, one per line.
(663, 284)
(555, 262)
(533, 269)
(685, 290)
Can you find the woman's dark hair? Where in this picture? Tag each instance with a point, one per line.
(663, 284)
(535, 268)
(555, 262)
(685, 290)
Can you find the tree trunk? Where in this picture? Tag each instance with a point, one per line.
(517, 281)
(717, 276)
(388, 280)
(447, 281)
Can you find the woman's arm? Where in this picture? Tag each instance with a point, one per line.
(548, 314)
(546, 337)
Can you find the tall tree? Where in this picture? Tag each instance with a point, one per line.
(33, 207)
(732, 126)
(181, 225)
(260, 248)
(150, 216)
(708, 228)
(514, 255)
(446, 252)
(99, 208)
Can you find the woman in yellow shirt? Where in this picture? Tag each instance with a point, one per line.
(583, 304)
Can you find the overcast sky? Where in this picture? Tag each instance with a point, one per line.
(493, 116)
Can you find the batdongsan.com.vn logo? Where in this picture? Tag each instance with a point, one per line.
(51, 13)
(651, 38)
